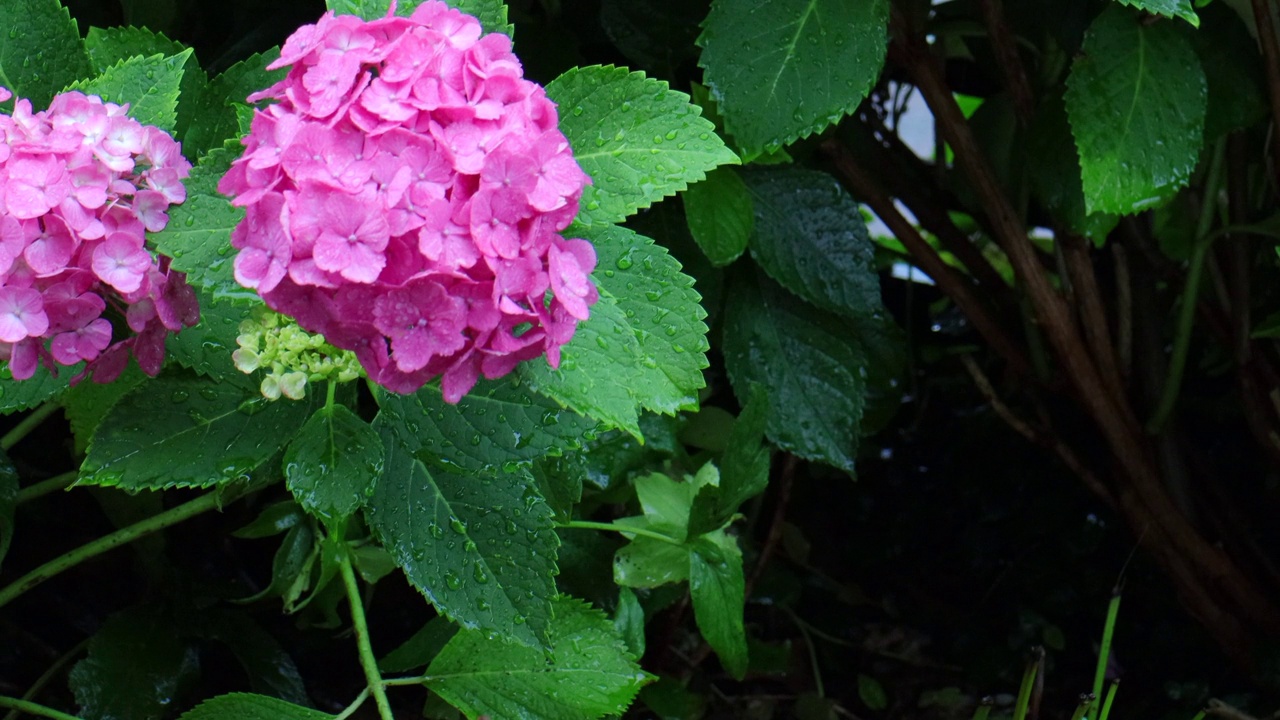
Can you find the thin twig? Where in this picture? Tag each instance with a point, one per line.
(1005, 46)
(1271, 61)
(1093, 316)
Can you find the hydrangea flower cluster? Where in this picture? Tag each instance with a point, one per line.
(290, 356)
(404, 197)
(80, 184)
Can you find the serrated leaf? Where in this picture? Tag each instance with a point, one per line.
(1168, 8)
(183, 431)
(206, 347)
(333, 464)
(8, 502)
(720, 215)
(647, 563)
(587, 674)
(492, 14)
(498, 424)
(1054, 170)
(198, 236)
(645, 343)
(784, 69)
(87, 403)
(246, 706)
(41, 53)
(744, 468)
(1136, 99)
(214, 115)
(810, 364)
(811, 238)
(560, 482)
(148, 85)
(136, 667)
(639, 140)
(108, 46)
(18, 395)
(420, 648)
(717, 587)
(480, 547)
(628, 621)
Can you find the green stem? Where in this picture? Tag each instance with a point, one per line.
(1187, 311)
(1106, 704)
(121, 537)
(333, 393)
(44, 487)
(48, 675)
(1104, 649)
(354, 706)
(31, 708)
(589, 525)
(983, 710)
(1024, 690)
(377, 686)
(29, 423)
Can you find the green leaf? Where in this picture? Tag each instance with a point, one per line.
(148, 85)
(479, 546)
(718, 588)
(137, 665)
(183, 431)
(87, 403)
(18, 395)
(214, 111)
(720, 216)
(810, 237)
(645, 343)
(638, 139)
(108, 46)
(246, 706)
(744, 468)
(492, 14)
(198, 236)
(628, 621)
(785, 69)
(647, 563)
(497, 425)
(41, 53)
(872, 693)
(290, 566)
(331, 467)
(1233, 68)
(808, 361)
(1136, 98)
(269, 668)
(1054, 170)
(559, 482)
(419, 649)
(273, 520)
(206, 347)
(8, 502)
(656, 35)
(1168, 8)
(587, 674)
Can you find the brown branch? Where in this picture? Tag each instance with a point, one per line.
(1093, 317)
(1045, 438)
(1124, 309)
(926, 257)
(1005, 46)
(1271, 61)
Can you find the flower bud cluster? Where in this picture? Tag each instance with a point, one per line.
(80, 185)
(290, 356)
(405, 197)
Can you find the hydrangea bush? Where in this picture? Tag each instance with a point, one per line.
(393, 300)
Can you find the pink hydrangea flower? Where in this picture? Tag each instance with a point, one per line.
(405, 196)
(81, 183)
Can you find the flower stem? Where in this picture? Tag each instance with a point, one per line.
(377, 686)
(44, 487)
(31, 708)
(589, 525)
(121, 537)
(29, 423)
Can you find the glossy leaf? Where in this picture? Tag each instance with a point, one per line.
(88, 402)
(483, 568)
(108, 46)
(588, 672)
(214, 115)
(717, 587)
(206, 347)
(1233, 69)
(647, 563)
(644, 346)
(807, 360)
(1054, 170)
(41, 53)
(8, 503)
(744, 468)
(639, 140)
(43, 386)
(720, 215)
(247, 706)
(148, 85)
(499, 424)
(1136, 98)
(332, 465)
(420, 648)
(1168, 8)
(785, 69)
(628, 621)
(183, 431)
(492, 14)
(656, 35)
(136, 667)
